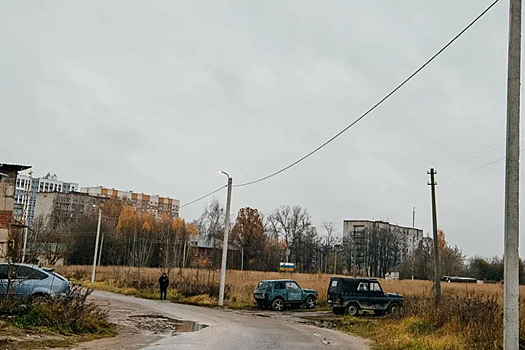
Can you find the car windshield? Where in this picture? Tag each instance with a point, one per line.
(262, 285)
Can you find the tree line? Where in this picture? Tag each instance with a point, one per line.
(257, 242)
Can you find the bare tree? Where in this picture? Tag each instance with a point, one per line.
(211, 223)
(291, 223)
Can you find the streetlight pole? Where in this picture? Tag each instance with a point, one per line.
(225, 240)
(96, 245)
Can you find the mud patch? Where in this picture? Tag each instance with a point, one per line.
(159, 324)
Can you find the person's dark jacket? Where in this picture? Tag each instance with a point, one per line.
(164, 282)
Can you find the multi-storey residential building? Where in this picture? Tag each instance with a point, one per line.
(60, 207)
(8, 177)
(140, 202)
(27, 188)
(375, 247)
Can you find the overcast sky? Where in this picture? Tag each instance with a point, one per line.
(155, 96)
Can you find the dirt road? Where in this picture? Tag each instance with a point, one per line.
(153, 324)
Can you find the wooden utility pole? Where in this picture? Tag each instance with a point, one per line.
(512, 183)
(435, 246)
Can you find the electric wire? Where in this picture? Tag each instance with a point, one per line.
(206, 195)
(374, 106)
(473, 169)
(472, 155)
(387, 96)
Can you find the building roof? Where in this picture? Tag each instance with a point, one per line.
(382, 222)
(16, 167)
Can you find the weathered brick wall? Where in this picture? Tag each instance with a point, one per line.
(7, 194)
(5, 219)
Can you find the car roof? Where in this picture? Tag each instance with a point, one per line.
(356, 279)
(27, 265)
(281, 280)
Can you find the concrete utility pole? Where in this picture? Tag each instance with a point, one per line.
(512, 183)
(96, 245)
(413, 217)
(100, 251)
(225, 240)
(435, 246)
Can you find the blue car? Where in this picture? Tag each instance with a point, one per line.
(30, 281)
(280, 293)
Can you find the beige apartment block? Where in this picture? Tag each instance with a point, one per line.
(140, 202)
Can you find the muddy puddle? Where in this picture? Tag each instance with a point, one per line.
(159, 324)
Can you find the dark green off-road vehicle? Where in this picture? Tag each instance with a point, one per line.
(348, 296)
(278, 294)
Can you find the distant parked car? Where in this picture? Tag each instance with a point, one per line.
(30, 281)
(350, 295)
(278, 294)
(459, 279)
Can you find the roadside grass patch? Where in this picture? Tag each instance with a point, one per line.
(52, 322)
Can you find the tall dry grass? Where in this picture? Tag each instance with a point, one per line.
(240, 284)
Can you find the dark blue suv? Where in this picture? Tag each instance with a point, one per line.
(278, 294)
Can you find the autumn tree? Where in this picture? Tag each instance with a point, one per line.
(452, 258)
(248, 235)
(136, 230)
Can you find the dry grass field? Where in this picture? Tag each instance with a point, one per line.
(240, 284)
(468, 317)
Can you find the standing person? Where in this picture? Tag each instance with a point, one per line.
(164, 282)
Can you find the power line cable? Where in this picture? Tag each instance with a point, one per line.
(374, 106)
(472, 155)
(206, 195)
(362, 116)
(476, 168)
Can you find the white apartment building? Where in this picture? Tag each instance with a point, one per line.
(27, 188)
(378, 242)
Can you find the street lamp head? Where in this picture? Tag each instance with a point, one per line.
(225, 173)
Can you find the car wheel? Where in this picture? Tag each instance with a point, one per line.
(393, 308)
(278, 305)
(339, 310)
(352, 310)
(310, 303)
(39, 298)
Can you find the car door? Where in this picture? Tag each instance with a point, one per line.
(279, 290)
(28, 280)
(377, 296)
(363, 294)
(295, 293)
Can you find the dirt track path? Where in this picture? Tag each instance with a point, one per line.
(155, 324)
